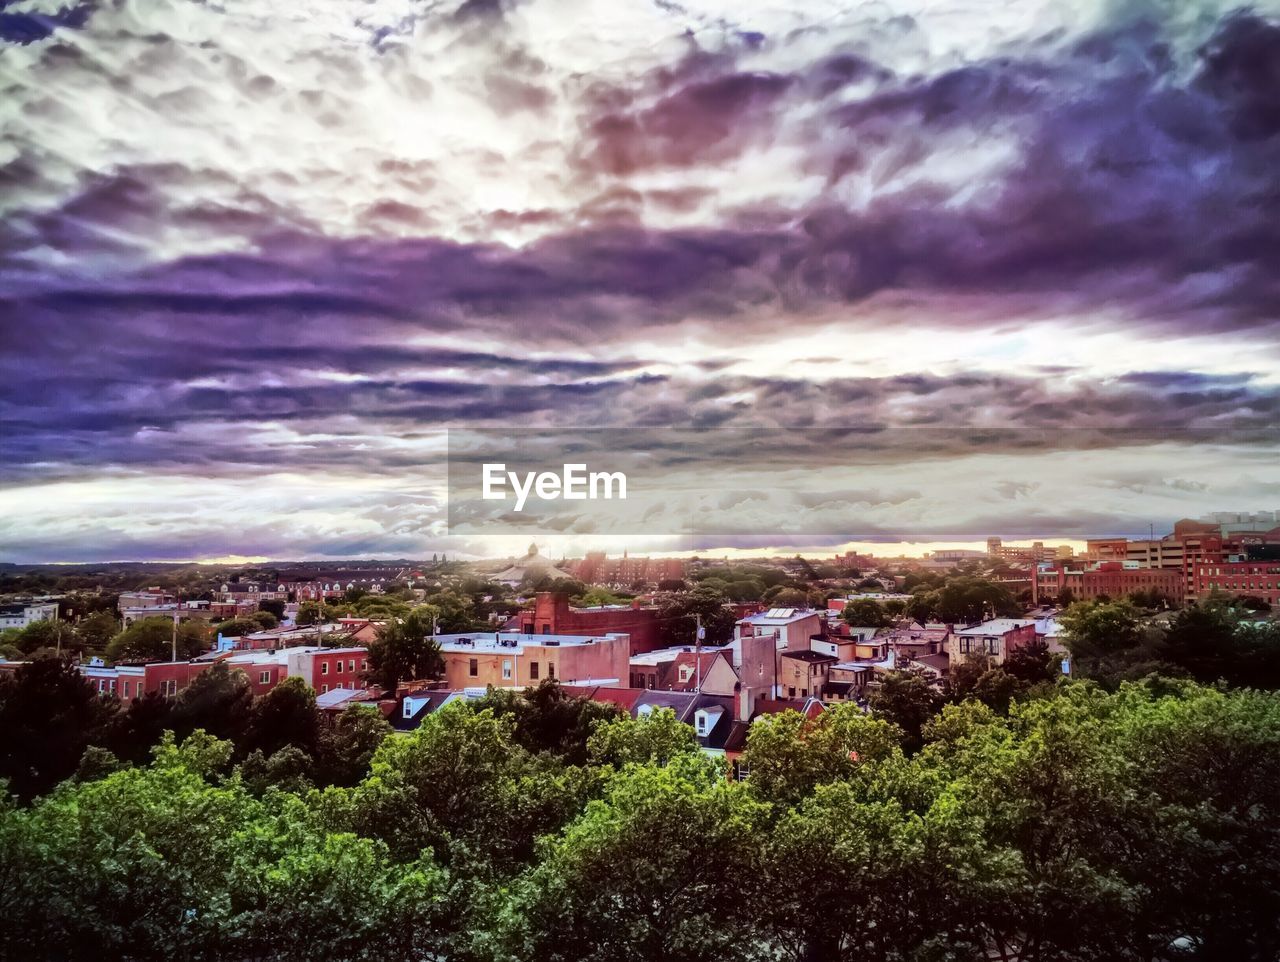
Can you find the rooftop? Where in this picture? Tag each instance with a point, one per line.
(663, 655)
(810, 656)
(511, 642)
(779, 616)
(997, 626)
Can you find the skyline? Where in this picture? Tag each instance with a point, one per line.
(253, 265)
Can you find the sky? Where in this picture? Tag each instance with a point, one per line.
(988, 269)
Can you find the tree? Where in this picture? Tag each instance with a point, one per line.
(238, 627)
(460, 785)
(162, 862)
(347, 748)
(907, 700)
(405, 649)
(881, 881)
(598, 596)
(678, 614)
(549, 720)
(656, 740)
(1096, 628)
(49, 715)
(309, 613)
(689, 840)
(38, 635)
(1210, 642)
(96, 630)
(219, 701)
(274, 606)
(790, 755)
(151, 639)
(453, 612)
(962, 599)
(135, 731)
(787, 597)
(1032, 663)
(285, 716)
(265, 620)
(865, 613)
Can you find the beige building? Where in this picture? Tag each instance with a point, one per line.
(506, 660)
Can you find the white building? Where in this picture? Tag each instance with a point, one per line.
(22, 614)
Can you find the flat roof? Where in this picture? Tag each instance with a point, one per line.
(661, 655)
(780, 616)
(511, 642)
(808, 655)
(997, 626)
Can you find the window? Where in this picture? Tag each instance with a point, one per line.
(685, 672)
(551, 669)
(533, 671)
(791, 692)
(324, 668)
(264, 678)
(364, 664)
(546, 629)
(506, 667)
(323, 689)
(473, 667)
(338, 666)
(351, 665)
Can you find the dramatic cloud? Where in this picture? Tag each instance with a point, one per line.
(239, 245)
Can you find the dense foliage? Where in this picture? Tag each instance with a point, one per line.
(1083, 824)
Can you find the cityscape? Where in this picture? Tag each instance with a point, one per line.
(670, 481)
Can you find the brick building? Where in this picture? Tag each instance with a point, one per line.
(552, 614)
(504, 660)
(599, 569)
(1240, 579)
(1114, 579)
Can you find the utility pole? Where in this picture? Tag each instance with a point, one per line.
(175, 633)
(697, 655)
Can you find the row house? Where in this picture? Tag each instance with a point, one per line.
(251, 591)
(684, 668)
(508, 660)
(334, 668)
(324, 669)
(995, 639)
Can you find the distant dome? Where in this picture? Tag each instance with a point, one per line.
(533, 550)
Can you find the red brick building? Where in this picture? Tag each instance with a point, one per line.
(338, 668)
(1239, 579)
(552, 614)
(1110, 578)
(599, 569)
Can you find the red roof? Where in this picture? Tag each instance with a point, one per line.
(707, 659)
(624, 698)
